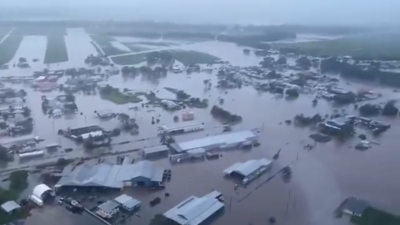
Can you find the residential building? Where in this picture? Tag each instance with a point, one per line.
(10, 207)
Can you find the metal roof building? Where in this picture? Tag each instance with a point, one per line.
(127, 202)
(194, 210)
(155, 151)
(249, 170)
(223, 141)
(143, 173)
(10, 206)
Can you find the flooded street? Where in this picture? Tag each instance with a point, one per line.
(322, 178)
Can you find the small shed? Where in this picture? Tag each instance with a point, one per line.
(10, 207)
(127, 202)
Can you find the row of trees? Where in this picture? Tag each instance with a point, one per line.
(222, 114)
(372, 73)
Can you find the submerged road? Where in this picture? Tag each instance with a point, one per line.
(7, 35)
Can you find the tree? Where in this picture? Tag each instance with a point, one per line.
(160, 219)
(3, 153)
(26, 112)
(18, 180)
(70, 98)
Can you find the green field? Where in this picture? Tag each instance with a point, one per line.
(135, 48)
(56, 50)
(373, 216)
(8, 48)
(194, 57)
(105, 44)
(380, 46)
(129, 59)
(39, 30)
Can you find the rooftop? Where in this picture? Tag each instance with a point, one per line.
(218, 140)
(127, 201)
(355, 205)
(249, 167)
(10, 206)
(111, 176)
(194, 210)
(108, 206)
(155, 149)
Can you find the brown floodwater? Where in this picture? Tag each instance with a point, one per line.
(322, 177)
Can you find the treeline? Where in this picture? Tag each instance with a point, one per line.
(371, 73)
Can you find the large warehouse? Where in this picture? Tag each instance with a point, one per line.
(222, 141)
(249, 170)
(196, 210)
(143, 173)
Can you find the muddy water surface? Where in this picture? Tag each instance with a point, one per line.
(322, 178)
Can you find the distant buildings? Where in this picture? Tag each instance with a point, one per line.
(248, 171)
(196, 210)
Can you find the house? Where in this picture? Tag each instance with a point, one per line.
(354, 206)
(108, 209)
(10, 207)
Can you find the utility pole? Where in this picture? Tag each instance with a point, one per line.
(287, 204)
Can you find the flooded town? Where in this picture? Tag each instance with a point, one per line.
(166, 124)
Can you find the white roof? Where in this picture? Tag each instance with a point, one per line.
(218, 140)
(127, 201)
(40, 189)
(194, 210)
(249, 167)
(93, 134)
(10, 206)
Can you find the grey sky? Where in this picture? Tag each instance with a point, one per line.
(225, 11)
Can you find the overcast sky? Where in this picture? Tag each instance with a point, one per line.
(224, 11)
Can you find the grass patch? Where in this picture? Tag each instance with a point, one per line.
(115, 95)
(376, 46)
(158, 44)
(129, 59)
(56, 50)
(105, 43)
(373, 216)
(8, 48)
(135, 48)
(194, 57)
(39, 30)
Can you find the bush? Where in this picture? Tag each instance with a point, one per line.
(18, 180)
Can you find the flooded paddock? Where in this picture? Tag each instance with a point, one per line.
(322, 177)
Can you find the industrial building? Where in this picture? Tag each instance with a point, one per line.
(143, 173)
(107, 209)
(155, 151)
(198, 153)
(110, 208)
(181, 128)
(127, 202)
(248, 171)
(219, 142)
(196, 210)
(84, 132)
